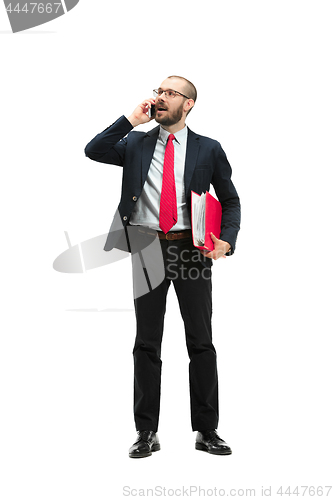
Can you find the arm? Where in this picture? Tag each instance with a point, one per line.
(228, 197)
(110, 145)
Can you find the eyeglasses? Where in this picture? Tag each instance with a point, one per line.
(168, 93)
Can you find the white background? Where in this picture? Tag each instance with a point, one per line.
(263, 75)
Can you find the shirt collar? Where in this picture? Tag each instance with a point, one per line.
(180, 136)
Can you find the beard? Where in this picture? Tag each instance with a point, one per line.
(171, 119)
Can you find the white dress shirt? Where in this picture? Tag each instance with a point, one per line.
(147, 208)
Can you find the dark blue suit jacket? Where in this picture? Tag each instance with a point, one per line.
(205, 164)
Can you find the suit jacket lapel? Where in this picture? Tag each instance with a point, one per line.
(148, 149)
(192, 150)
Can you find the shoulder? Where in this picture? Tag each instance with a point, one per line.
(138, 135)
(210, 146)
(207, 141)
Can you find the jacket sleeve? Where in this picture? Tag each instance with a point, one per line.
(228, 197)
(110, 145)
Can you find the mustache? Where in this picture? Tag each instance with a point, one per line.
(160, 105)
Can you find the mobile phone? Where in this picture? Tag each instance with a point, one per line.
(151, 111)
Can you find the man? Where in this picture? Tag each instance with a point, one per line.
(160, 169)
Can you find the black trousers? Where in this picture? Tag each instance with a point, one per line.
(190, 273)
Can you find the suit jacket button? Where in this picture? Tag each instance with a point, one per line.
(125, 217)
(135, 198)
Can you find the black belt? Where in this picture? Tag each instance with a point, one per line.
(174, 235)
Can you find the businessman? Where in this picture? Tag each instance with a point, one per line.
(160, 169)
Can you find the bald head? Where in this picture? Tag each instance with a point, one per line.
(188, 88)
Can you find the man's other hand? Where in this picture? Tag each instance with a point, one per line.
(220, 248)
(140, 115)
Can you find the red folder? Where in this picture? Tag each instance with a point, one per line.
(213, 218)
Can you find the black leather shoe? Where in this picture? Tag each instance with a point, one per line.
(212, 443)
(146, 443)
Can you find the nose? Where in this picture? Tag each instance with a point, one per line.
(159, 99)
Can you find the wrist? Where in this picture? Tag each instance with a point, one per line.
(227, 247)
(133, 121)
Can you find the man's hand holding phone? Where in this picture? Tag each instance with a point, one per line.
(140, 114)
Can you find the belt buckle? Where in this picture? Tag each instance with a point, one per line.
(169, 236)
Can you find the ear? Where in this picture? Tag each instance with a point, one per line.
(189, 105)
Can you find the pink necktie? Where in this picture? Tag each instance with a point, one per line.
(168, 203)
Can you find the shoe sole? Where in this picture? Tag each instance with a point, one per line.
(156, 447)
(202, 447)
